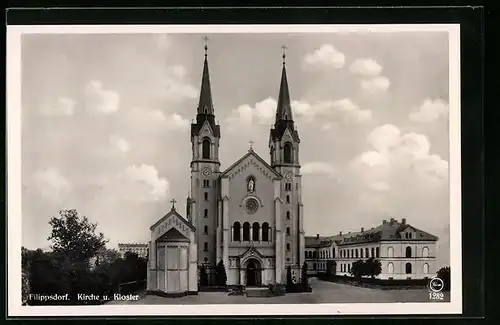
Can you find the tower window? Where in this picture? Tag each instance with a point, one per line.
(288, 231)
(206, 183)
(205, 230)
(206, 196)
(288, 186)
(288, 215)
(288, 246)
(288, 199)
(205, 149)
(205, 246)
(287, 153)
(205, 213)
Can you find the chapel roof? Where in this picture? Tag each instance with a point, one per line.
(173, 212)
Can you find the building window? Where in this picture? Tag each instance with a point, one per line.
(348, 253)
(205, 246)
(288, 246)
(205, 260)
(205, 213)
(356, 253)
(288, 215)
(367, 251)
(246, 231)
(390, 251)
(314, 254)
(390, 268)
(288, 231)
(333, 253)
(377, 252)
(206, 149)
(314, 266)
(349, 267)
(205, 230)
(361, 253)
(265, 231)
(352, 253)
(236, 231)
(255, 231)
(373, 252)
(408, 268)
(408, 252)
(425, 252)
(288, 199)
(206, 196)
(206, 183)
(426, 268)
(287, 153)
(288, 186)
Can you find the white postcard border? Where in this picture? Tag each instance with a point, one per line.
(14, 216)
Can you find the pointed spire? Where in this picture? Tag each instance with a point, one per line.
(284, 111)
(205, 105)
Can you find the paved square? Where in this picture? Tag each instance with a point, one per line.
(323, 292)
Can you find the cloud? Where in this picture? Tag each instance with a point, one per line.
(175, 89)
(368, 68)
(142, 183)
(99, 100)
(344, 109)
(371, 81)
(430, 110)
(177, 70)
(375, 85)
(64, 106)
(50, 184)
(396, 157)
(155, 119)
(326, 55)
(177, 122)
(119, 143)
(319, 168)
(262, 113)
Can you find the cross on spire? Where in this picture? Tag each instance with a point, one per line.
(251, 143)
(284, 48)
(206, 45)
(173, 201)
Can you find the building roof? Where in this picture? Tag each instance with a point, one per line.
(256, 156)
(390, 230)
(173, 212)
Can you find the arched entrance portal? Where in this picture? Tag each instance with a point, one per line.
(254, 273)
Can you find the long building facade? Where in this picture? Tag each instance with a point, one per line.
(404, 251)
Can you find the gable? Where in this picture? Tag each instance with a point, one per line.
(251, 159)
(173, 235)
(172, 220)
(206, 130)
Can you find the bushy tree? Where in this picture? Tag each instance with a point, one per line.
(203, 276)
(303, 276)
(444, 274)
(289, 280)
(358, 269)
(220, 274)
(74, 236)
(331, 268)
(373, 267)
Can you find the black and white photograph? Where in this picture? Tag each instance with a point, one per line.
(221, 170)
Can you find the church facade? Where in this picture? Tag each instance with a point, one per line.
(250, 215)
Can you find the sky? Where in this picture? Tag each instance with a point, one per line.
(106, 120)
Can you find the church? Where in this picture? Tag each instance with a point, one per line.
(249, 216)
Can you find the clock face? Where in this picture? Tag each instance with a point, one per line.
(288, 175)
(206, 172)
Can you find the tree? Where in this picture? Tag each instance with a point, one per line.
(358, 269)
(289, 280)
(203, 276)
(303, 276)
(220, 274)
(331, 268)
(373, 267)
(74, 236)
(444, 274)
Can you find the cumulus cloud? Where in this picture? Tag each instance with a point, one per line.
(119, 143)
(50, 184)
(64, 106)
(430, 110)
(344, 109)
(369, 71)
(176, 89)
(396, 156)
(326, 55)
(177, 122)
(319, 168)
(366, 68)
(156, 119)
(99, 100)
(375, 85)
(142, 183)
(262, 113)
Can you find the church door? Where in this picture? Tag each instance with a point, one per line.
(253, 273)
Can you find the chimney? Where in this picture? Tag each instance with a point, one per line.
(317, 236)
(403, 221)
(340, 233)
(392, 220)
(384, 222)
(362, 229)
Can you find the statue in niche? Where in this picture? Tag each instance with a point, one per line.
(251, 185)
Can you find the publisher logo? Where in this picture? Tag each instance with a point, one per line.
(436, 285)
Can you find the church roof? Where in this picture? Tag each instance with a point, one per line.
(388, 231)
(251, 152)
(173, 212)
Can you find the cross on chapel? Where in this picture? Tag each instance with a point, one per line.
(173, 201)
(251, 143)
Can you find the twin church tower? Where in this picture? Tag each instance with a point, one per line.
(250, 215)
